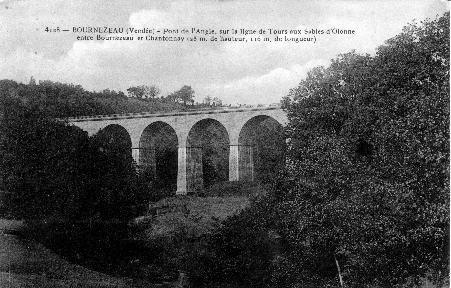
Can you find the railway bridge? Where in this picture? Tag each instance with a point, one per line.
(183, 136)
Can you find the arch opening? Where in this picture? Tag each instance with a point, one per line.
(158, 156)
(115, 139)
(262, 149)
(207, 155)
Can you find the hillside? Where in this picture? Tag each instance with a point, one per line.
(61, 100)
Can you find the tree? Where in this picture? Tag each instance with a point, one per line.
(268, 150)
(114, 176)
(144, 92)
(207, 100)
(216, 102)
(369, 146)
(32, 81)
(43, 164)
(53, 170)
(185, 95)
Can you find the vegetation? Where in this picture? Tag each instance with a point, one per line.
(57, 171)
(59, 100)
(185, 95)
(269, 150)
(144, 92)
(371, 135)
(364, 196)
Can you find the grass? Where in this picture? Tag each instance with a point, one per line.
(196, 215)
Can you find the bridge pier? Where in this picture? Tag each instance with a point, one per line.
(135, 154)
(181, 172)
(189, 172)
(241, 163)
(234, 162)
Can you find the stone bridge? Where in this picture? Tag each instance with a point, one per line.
(184, 131)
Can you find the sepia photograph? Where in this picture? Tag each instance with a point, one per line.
(224, 143)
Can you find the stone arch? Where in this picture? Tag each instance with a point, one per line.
(261, 148)
(158, 155)
(207, 149)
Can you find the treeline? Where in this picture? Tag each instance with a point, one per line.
(184, 95)
(364, 198)
(61, 100)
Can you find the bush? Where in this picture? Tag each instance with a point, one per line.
(238, 254)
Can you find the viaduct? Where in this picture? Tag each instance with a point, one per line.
(184, 131)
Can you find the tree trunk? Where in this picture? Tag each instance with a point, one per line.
(339, 272)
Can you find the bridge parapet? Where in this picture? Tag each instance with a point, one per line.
(169, 114)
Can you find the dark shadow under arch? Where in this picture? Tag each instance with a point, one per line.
(158, 155)
(262, 149)
(207, 154)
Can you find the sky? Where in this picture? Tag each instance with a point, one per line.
(245, 73)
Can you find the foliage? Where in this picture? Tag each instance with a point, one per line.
(212, 102)
(53, 170)
(269, 150)
(238, 254)
(52, 99)
(67, 100)
(46, 172)
(369, 145)
(144, 92)
(185, 95)
(115, 178)
(235, 188)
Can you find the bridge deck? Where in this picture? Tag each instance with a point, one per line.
(174, 113)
